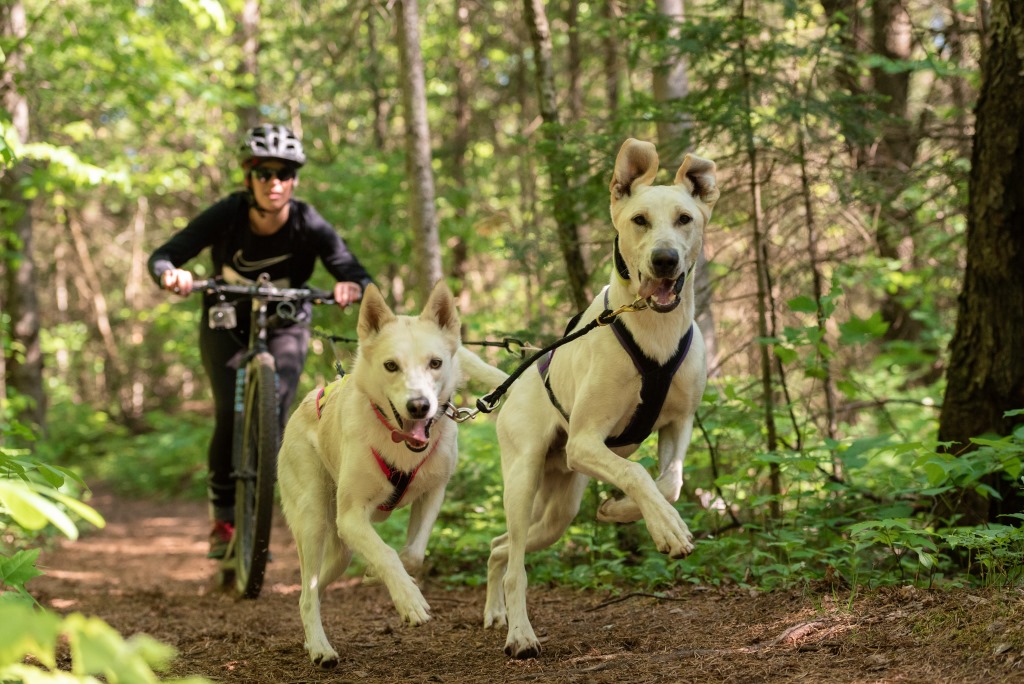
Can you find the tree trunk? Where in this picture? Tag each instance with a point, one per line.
(249, 113)
(764, 293)
(463, 87)
(529, 202)
(986, 367)
(575, 62)
(847, 15)
(380, 109)
(91, 289)
(818, 286)
(894, 157)
(417, 145)
(610, 45)
(562, 200)
(23, 360)
(458, 252)
(672, 85)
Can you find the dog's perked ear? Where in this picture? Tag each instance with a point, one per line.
(636, 164)
(441, 309)
(698, 176)
(374, 313)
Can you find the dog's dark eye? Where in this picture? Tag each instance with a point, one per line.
(684, 219)
(640, 220)
(391, 366)
(435, 364)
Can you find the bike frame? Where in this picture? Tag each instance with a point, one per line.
(256, 435)
(257, 345)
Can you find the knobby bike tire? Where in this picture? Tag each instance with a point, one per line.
(254, 483)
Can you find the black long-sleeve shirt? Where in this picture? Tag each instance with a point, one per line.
(288, 256)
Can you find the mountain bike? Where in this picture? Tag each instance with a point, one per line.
(256, 432)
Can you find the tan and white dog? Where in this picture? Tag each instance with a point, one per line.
(376, 440)
(597, 397)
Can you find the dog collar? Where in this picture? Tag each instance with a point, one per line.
(620, 264)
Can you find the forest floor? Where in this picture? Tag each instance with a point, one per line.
(147, 572)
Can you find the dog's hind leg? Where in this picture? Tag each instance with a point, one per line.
(312, 565)
(322, 559)
(522, 466)
(556, 504)
(521, 484)
(673, 442)
(422, 516)
(336, 560)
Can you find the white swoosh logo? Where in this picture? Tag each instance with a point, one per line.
(246, 265)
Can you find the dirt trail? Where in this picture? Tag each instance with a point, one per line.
(146, 572)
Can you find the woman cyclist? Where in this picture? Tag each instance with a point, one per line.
(261, 229)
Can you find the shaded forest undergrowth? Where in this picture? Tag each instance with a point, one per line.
(146, 572)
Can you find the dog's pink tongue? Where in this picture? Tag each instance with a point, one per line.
(659, 290)
(416, 433)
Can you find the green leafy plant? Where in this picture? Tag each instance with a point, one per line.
(29, 645)
(996, 551)
(34, 498)
(902, 538)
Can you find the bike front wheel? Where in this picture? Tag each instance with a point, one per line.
(255, 476)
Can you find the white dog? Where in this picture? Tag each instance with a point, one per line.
(376, 440)
(598, 397)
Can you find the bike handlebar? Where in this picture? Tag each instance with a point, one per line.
(265, 291)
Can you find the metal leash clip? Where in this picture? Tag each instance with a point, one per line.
(459, 415)
(638, 304)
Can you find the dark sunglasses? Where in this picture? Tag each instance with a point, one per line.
(264, 174)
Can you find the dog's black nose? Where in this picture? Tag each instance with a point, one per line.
(418, 408)
(664, 262)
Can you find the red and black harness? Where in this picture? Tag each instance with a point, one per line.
(399, 479)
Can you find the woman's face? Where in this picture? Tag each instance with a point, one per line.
(272, 191)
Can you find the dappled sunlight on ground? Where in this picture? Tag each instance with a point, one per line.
(147, 572)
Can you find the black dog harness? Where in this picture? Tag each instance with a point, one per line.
(399, 479)
(655, 379)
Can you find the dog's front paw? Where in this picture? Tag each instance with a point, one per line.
(522, 644)
(672, 537)
(412, 607)
(622, 510)
(324, 658)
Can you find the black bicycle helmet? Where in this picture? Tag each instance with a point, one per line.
(268, 141)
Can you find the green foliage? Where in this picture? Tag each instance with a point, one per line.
(31, 500)
(15, 571)
(901, 537)
(167, 460)
(31, 496)
(996, 551)
(97, 650)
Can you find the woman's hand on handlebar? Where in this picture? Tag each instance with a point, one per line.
(346, 293)
(176, 280)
